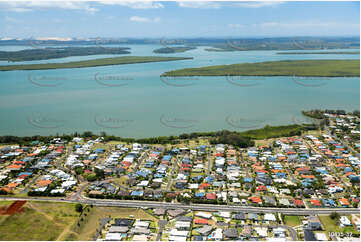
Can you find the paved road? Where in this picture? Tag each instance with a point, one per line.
(209, 156)
(200, 207)
(33, 180)
(292, 176)
(161, 224)
(140, 160)
(170, 177)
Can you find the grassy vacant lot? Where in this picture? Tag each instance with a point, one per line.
(262, 142)
(192, 143)
(58, 221)
(331, 225)
(38, 221)
(325, 68)
(292, 220)
(90, 224)
(121, 180)
(93, 63)
(273, 131)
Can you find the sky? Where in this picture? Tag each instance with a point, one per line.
(157, 19)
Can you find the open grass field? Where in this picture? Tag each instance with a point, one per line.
(321, 68)
(91, 63)
(58, 221)
(262, 142)
(273, 131)
(331, 225)
(5, 203)
(121, 180)
(38, 221)
(90, 224)
(315, 133)
(292, 220)
(192, 143)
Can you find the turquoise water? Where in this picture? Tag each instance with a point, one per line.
(132, 101)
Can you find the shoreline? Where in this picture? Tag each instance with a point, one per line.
(124, 60)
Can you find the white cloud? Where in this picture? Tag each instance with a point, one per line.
(258, 4)
(27, 6)
(215, 4)
(199, 4)
(236, 26)
(20, 10)
(134, 4)
(144, 20)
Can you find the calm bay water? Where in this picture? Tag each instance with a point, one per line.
(132, 101)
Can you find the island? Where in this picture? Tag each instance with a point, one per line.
(93, 63)
(321, 53)
(223, 49)
(169, 50)
(320, 68)
(59, 52)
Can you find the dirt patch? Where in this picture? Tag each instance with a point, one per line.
(15, 207)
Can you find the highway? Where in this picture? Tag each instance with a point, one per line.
(200, 207)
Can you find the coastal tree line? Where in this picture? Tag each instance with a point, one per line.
(235, 138)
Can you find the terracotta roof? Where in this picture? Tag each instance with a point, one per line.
(201, 221)
(44, 183)
(14, 166)
(344, 201)
(256, 199)
(12, 185)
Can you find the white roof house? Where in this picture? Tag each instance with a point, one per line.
(144, 224)
(269, 217)
(344, 221)
(143, 183)
(113, 237)
(225, 214)
(178, 233)
(177, 238)
(204, 215)
(193, 186)
(182, 224)
(261, 231)
(55, 191)
(68, 184)
(321, 236)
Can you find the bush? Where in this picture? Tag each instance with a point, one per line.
(334, 216)
(79, 208)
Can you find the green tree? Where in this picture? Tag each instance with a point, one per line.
(334, 215)
(78, 207)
